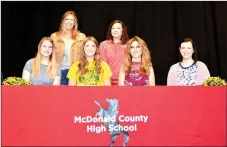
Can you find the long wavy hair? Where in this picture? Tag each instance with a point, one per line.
(84, 62)
(75, 31)
(124, 37)
(145, 59)
(194, 55)
(51, 69)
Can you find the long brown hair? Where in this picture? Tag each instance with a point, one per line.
(124, 37)
(75, 31)
(84, 62)
(146, 58)
(51, 69)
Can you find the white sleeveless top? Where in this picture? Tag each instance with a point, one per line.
(66, 58)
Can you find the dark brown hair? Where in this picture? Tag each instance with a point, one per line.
(124, 37)
(194, 55)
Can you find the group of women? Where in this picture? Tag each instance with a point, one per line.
(68, 57)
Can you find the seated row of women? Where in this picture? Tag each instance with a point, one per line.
(68, 57)
(92, 70)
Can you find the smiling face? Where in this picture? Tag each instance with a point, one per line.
(46, 48)
(69, 22)
(186, 50)
(135, 50)
(116, 30)
(90, 48)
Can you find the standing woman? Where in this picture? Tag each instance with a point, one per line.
(68, 41)
(90, 70)
(137, 69)
(189, 71)
(112, 49)
(42, 70)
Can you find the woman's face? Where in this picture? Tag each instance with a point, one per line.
(90, 48)
(116, 30)
(69, 22)
(135, 50)
(46, 48)
(186, 50)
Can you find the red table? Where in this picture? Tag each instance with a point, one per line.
(44, 115)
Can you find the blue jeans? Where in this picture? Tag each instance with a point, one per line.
(64, 79)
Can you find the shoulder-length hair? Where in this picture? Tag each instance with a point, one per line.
(51, 69)
(145, 59)
(75, 31)
(84, 62)
(124, 37)
(194, 55)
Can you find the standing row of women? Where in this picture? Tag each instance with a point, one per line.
(68, 57)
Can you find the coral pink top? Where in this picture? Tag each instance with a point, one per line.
(113, 54)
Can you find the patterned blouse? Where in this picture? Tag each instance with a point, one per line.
(186, 75)
(135, 77)
(193, 75)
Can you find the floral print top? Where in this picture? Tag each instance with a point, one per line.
(135, 77)
(186, 75)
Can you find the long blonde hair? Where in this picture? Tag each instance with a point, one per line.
(146, 58)
(75, 31)
(51, 69)
(84, 62)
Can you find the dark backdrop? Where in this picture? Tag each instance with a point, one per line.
(161, 24)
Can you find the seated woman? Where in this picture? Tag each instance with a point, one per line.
(42, 70)
(189, 71)
(137, 69)
(90, 70)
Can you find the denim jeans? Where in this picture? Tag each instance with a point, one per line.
(64, 79)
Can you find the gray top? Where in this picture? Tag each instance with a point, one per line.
(42, 77)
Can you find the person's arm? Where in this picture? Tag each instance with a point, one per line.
(77, 48)
(107, 82)
(72, 74)
(82, 36)
(57, 80)
(151, 77)
(121, 78)
(72, 82)
(107, 73)
(103, 51)
(27, 71)
(26, 75)
(53, 37)
(202, 73)
(172, 76)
